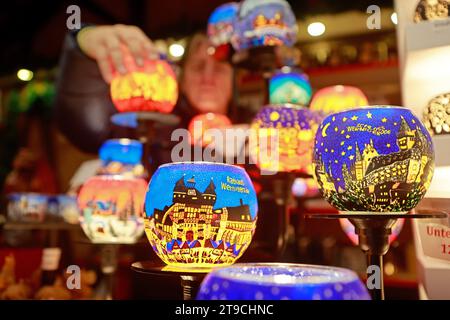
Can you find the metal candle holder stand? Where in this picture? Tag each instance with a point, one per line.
(109, 259)
(373, 230)
(282, 193)
(145, 124)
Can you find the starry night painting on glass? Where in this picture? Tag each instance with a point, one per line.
(373, 159)
(200, 214)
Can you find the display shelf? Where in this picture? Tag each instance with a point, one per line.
(39, 226)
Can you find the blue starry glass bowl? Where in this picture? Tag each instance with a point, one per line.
(373, 159)
(274, 281)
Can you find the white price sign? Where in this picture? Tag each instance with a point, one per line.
(441, 25)
(435, 240)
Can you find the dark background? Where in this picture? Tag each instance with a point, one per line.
(31, 32)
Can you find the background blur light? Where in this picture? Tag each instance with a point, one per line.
(176, 50)
(394, 18)
(316, 29)
(25, 74)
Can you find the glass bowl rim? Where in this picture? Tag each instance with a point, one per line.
(371, 107)
(115, 177)
(34, 195)
(178, 163)
(340, 85)
(287, 105)
(123, 142)
(347, 274)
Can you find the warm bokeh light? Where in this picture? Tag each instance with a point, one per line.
(200, 124)
(394, 18)
(25, 74)
(176, 50)
(338, 98)
(316, 29)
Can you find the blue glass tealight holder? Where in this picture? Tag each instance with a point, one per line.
(125, 151)
(275, 281)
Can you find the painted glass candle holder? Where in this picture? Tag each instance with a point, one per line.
(284, 137)
(121, 150)
(220, 23)
(436, 115)
(289, 86)
(121, 157)
(112, 209)
(200, 214)
(338, 98)
(27, 207)
(273, 281)
(374, 159)
(264, 23)
(200, 124)
(150, 88)
(432, 10)
(68, 208)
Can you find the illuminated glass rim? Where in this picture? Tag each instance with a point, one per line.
(374, 107)
(115, 177)
(173, 164)
(295, 274)
(378, 106)
(285, 105)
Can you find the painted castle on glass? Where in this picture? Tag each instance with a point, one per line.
(373, 161)
(192, 230)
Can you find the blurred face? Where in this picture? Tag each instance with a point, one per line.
(206, 83)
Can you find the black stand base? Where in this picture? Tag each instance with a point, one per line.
(373, 230)
(189, 279)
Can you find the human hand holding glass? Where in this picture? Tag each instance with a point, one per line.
(106, 44)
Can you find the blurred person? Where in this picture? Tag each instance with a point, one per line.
(89, 58)
(30, 173)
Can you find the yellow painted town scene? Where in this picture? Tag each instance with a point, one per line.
(190, 232)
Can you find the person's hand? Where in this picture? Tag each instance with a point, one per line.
(105, 44)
